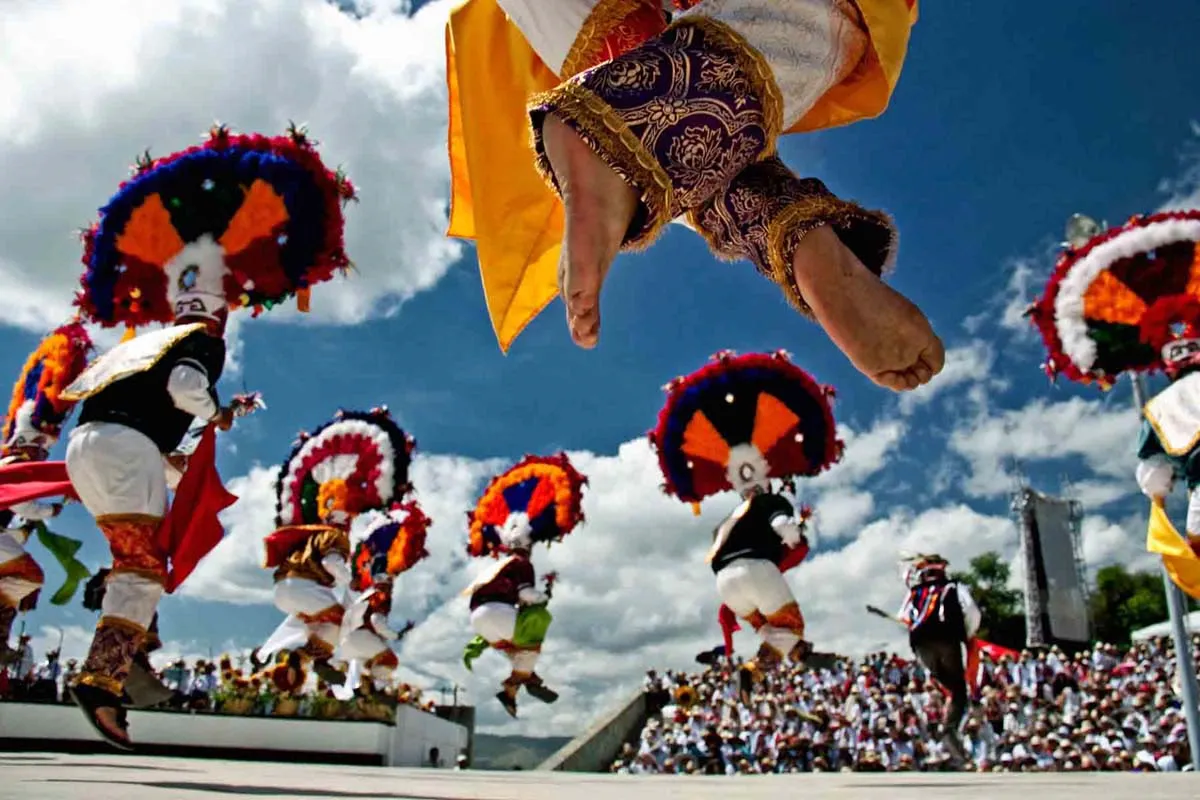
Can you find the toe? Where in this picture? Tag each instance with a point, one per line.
(934, 356)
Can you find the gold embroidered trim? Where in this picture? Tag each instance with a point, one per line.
(154, 576)
(178, 334)
(102, 682)
(121, 623)
(602, 20)
(789, 227)
(136, 519)
(617, 145)
(754, 66)
(714, 244)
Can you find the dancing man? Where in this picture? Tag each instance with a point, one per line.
(737, 424)
(942, 618)
(537, 500)
(355, 463)
(393, 544)
(31, 428)
(241, 221)
(656, 121)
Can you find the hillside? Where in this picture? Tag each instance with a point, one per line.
(514, 752)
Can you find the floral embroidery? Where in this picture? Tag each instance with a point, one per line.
(113, 647)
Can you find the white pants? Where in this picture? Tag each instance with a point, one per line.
(296, 596)
(116, 470)
(15, 588)
(1193, 512)
(497, 622)
(363, 644)
(811, 45)
(751, 584)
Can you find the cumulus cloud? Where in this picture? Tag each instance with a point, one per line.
(130, 74)
(970, 364)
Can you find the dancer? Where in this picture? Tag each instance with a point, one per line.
(737, 424)
(355, 463)
(393, 544)
(942, 618)
(240, 221)
(1126, 300)
(540, 499)
(731, 79)
(31, 428)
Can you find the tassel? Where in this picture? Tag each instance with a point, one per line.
(130, 332)
(696, 509)
(302, 299)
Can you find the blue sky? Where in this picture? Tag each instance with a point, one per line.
(1007, 119)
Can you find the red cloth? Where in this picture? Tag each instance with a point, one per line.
(192, 528)
(977, 647)
(280, 543)
(728, 620)
(24, 481)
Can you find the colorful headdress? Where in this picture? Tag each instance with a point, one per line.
(239, 221)
(1121, 300)
(37, 412)
(921, 567)
(356, 462)
(540, 499)
(393, 543)
(741, 421)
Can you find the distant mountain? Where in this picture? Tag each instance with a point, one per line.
(514, 752)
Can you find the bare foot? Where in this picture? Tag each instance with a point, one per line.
(882, 333)
(599, 207)
(109, 719)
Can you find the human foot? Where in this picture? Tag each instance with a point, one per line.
(882, 333)
(598, 208)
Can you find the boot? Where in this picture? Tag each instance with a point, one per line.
(677, 118)
(326, 672)
(804, 655)
(766, 211)
(538, 690)
(508, 693)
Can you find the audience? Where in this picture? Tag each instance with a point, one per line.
(1102, 709)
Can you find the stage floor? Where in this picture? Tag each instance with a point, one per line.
(47, 776)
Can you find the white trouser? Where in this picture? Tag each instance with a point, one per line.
(1193, 512)
(363, 644)
(116, 470)
(296, 596)
(753, 584)
(810, 45)
(497, 622)
(14, 588)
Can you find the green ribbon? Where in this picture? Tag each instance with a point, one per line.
(474, 649)
(63, 549)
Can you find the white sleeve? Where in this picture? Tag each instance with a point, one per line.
(531, 597)
(33, 511)
(787, 529)
(190, 390)
(336, 566)
(380, 623)
(173, 475)
(1155, 476)
(972, 616)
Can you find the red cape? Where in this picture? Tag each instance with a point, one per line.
(192, 527)
(728, 620)
(24, 481)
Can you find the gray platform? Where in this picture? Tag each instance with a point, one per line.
(38, 776)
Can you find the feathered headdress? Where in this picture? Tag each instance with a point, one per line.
(393, 543)
(239, 221)
(356, 462)
(741, 421)
(539, 499)
(37, 412)
(1118, 300)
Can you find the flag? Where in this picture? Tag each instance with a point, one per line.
(63, 549)
(1181, 556)
(192, 527)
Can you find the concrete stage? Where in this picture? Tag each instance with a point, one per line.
(45, 776)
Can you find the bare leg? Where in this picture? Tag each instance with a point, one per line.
(599, 207)
(882, 333)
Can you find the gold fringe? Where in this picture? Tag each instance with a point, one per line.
(121, 623)
(601, 21)
(102, 682)
(618, 146)
(151, 575)
(136, 519)
(754, 66)
(808, 214)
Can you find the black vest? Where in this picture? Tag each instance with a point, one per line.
(935, 613)
(141, 401)
(752, 535)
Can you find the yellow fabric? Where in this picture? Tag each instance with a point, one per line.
(497, 198)
(1179, 559)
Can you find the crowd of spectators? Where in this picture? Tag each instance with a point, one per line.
(1103, 709)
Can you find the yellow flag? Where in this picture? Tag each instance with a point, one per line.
(1179, 555)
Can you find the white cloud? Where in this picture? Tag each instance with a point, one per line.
(969, 364)
(1101, 434)
(1184, 190)
(85, 87)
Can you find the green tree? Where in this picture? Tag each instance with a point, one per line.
(1125, 601)
(1002, 607)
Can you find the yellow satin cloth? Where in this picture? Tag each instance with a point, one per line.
(1178, 553)
(498, 199)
